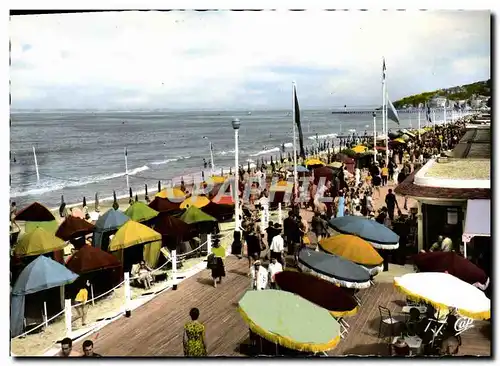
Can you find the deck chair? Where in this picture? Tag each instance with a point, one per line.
(386, 319)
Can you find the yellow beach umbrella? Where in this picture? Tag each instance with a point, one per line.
(400, 140)
(196, 201)
(335, 164)
(38, 241)
(359, 149)
(313, 161)
(171, 193)
(133, 233)
(282, 186)
(217, 179)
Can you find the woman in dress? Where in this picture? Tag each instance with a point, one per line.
(194, 336)
(218, 270)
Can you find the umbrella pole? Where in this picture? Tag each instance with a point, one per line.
(92, 293)
(45, 315)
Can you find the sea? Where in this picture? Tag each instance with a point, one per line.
(81, 153)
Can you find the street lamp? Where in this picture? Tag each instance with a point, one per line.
(236, 126)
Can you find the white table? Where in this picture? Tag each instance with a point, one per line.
(414, 342)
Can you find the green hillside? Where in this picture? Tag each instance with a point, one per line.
(463, 92)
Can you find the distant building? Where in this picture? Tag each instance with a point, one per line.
(438, 102)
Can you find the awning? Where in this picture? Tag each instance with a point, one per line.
(477, 220)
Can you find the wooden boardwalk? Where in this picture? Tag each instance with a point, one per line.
(156, 328)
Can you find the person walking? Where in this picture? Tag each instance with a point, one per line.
(193, 340)
(391, 203)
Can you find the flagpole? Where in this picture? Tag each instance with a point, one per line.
(295, 180)
(36, 166)
(419, 123)
(126, 168)
(375, 137)
(386, 130)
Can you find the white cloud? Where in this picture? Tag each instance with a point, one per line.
(240, 59)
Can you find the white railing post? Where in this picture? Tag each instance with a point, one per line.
(126, 277)
(92, 293)
(280, 214)
(266, 215)
(174, 268)
(67, 317)
(45, 315)
(209, 243)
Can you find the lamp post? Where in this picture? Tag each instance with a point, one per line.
(374, 137)
(236, 126)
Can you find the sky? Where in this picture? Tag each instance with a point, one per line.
(241, 60)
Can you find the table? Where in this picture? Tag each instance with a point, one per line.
(414, 342)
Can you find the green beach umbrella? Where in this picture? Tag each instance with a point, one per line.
(289, 320)
(38, 241)
(49, 226)
(139, 211)
(194, 215)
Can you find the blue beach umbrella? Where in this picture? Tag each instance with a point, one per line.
(378, 235)
(41, 274)
(111, 220)
(300, 169)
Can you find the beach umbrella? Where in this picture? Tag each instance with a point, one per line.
(217, 179)
(175, 229)
(136, 198)
(35, 212)
(84, 202)
(194, 215)
(335, 164)
(223, 200)
(146, 192)
(359, 149)
(289, 320)
(314, 163)
(378, 235)
(318, 291)
(130, 192)
(111, 220)
(163, 205)
(399, 140)
(139, 211)
(49, 226)
(300, 169)
(354, 249)
(36, 242)
(74, 227)
(324, 172)
(89, 259)
(334, 269)
(62, 206)
(220, 211)
(159, 186)
(196, 201)
(171, 193)
(133, 233)
(452, 263)
(445, 292)
(41, 274)
(115, 201)
(96, 203)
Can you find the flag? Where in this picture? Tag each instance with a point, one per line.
(428, 113)
(392, 114)
(297, 121)
(383, 68)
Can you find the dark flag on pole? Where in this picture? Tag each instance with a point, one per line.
(297, 121)
(392, 113)
(428, 113)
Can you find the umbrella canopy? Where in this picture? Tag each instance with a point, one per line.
(289, 320)
(300, 169)
(399, 140)
(359, 149)
(171, 193)
(219, 211)
(196, 201)
(334, 269)
(173, 227)
(335, 164)
(163, 205)
(452, 263)
(444, 291)
(133, 233)
(73, 227)
(41, 274)
(49, 226)
(194, 215)
(35, 212)
(354, 249)
(223, 200)
(38, 241)
(378, 235)
(111, 220)
(217, 179)
(320, 292)
(323, 172)
(313, 162)
(282, 186)
(89, 259)
(139, 211)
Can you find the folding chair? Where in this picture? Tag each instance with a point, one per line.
(343, 327)
(387, 319)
